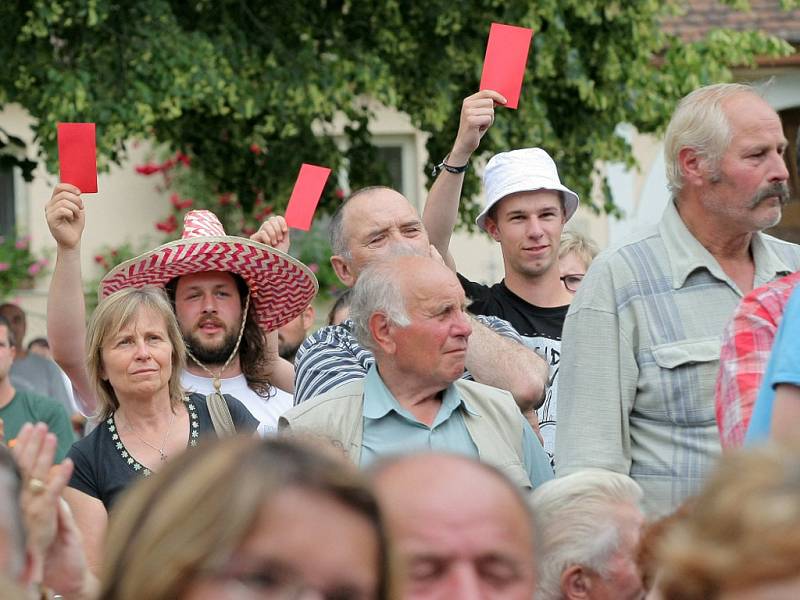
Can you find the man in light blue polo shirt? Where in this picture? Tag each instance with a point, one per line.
(409, 311)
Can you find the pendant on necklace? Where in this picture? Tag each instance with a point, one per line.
(163, 455)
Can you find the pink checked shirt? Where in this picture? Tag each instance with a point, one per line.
(746, 345)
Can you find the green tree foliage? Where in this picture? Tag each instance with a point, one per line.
(249, 90)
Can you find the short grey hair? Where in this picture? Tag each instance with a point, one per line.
(377, 289)
(576, 521)
(699, 122)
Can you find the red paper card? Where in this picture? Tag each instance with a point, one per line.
(305, 196)
(504, 65)
(77, 155)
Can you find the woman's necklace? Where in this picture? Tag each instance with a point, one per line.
(161, 453)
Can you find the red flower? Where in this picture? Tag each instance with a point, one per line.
(225, 199)
(183, 158)
(255, 148)
(147, 169)
(101, 260)
(169, 225)
(339, 193)
(248, 230)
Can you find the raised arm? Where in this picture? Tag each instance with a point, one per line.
(441, 207)
(66, 311)
(275, 232)
(499, 361)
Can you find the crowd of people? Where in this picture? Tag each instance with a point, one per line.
(555, 435)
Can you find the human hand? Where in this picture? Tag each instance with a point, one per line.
(42, 483)
(274, 232)
(65, 215)
(477, 115)
(65, 568)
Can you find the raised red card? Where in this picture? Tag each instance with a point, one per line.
(305, 196)
(77, 155)
(504, 65)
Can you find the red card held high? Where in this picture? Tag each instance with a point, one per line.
(305, 196)
(504, 65)
(77, 155)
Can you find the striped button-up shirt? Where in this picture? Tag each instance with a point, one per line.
(332, 357)
(640, 355)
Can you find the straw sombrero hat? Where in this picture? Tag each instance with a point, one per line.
(281, 287)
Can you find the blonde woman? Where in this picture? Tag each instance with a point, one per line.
(248, 519)
(135, 356)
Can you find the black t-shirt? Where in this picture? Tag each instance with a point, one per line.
(540, 329)
(103, 466)
(528, 319)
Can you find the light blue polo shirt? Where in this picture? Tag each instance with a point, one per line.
(390, 429)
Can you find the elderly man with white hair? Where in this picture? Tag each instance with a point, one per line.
(588, 524)
(409, 311)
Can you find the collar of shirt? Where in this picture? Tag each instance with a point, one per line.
(379, 401)
(686, 254)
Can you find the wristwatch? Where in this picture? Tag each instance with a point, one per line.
(443, 166)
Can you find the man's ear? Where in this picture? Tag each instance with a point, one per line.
(382, 330)
(576, 583)
(693, 166)
(343, 271)
(491, 228)
(308, 317)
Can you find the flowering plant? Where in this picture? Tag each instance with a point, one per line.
(19, 267)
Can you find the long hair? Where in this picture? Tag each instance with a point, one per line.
(111, 315)
(256, 366)
(188, 518)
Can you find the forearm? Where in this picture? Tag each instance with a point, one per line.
(441, 207)
(66, 324)
(281, 370)
(497, 361)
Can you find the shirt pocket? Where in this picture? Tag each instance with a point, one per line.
(683, 386)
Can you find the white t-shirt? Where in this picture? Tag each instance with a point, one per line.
(266, 410)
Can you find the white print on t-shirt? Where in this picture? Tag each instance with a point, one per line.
(550, 350)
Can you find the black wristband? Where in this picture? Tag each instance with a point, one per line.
(443, 166)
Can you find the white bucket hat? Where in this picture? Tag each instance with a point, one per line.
(524, 170)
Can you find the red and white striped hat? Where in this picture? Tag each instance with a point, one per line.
(281, 287)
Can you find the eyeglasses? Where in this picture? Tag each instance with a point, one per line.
(572, 282)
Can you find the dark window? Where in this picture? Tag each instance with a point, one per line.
(7, 212)
(392, 157)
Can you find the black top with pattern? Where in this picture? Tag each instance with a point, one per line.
(104, 467)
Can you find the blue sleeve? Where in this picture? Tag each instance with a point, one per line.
(783, 367)
(537, 463)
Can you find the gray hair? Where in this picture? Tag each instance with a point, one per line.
(699, 122)
(378, 290)
(577, 525)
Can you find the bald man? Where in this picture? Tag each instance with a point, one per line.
(462, 529)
